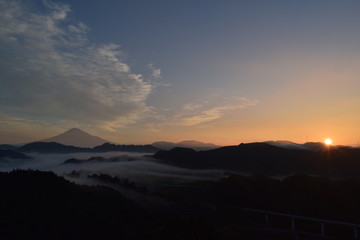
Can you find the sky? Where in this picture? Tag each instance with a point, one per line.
(139, 71)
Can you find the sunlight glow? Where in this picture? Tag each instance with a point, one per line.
(328, 141)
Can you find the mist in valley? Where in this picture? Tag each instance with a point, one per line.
(136, 167)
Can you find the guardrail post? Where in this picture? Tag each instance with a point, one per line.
(292, 224)
(267, 219)
(356, 233)
(322, 222)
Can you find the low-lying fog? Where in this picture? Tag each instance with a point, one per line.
(134, 166)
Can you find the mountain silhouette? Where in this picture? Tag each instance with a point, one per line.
(7, 147)
(96, 159)
(12, 154)
(313, 146)
(51, 147)
(78, 138)
(54, 147)
(269, 160)
(199, 146)
(108, 147)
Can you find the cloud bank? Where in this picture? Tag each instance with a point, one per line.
(50, 70)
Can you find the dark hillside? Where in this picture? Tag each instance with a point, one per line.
(41, 205)
(50, 147)
(269, 160)
(12, 154)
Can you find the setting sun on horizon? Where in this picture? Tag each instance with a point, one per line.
(328, 141)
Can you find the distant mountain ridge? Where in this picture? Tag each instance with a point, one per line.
(108, 147)
(199, 146)
(312, 146)
(7, 147)
(4, 154)
(53, 147)
(267, 159)
(77, 138)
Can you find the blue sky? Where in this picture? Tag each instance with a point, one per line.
(217, 71)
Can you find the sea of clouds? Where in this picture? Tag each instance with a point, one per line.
(136, 167)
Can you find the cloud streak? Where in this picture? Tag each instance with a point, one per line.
(156, 72)
(199, 113)
(195, 114)
(50, 70)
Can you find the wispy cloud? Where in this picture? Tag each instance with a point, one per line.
(192, 106)
(156, 72)
(49, 69)
(202, 117)
(194, 114)
(203, 112)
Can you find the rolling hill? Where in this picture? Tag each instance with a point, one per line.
(199, 146)
(269, 160)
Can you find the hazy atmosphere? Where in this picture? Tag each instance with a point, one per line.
(215, 71)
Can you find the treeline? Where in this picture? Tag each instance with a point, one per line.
(301, 195)
(41, 205)
(122, 182)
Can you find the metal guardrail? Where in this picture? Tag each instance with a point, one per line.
(322, 222)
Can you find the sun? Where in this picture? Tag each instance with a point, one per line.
(328, 141)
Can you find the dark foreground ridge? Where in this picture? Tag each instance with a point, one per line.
(41, 205)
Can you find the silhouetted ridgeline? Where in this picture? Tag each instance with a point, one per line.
(7, 147)
(123, 182)
(298, 194)
(269, 160)
(53, 147)
(4, 154)
(198, 146)
(108, 147)
(96, 159)
(40, 205)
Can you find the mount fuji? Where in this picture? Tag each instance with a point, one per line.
(78, 138)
